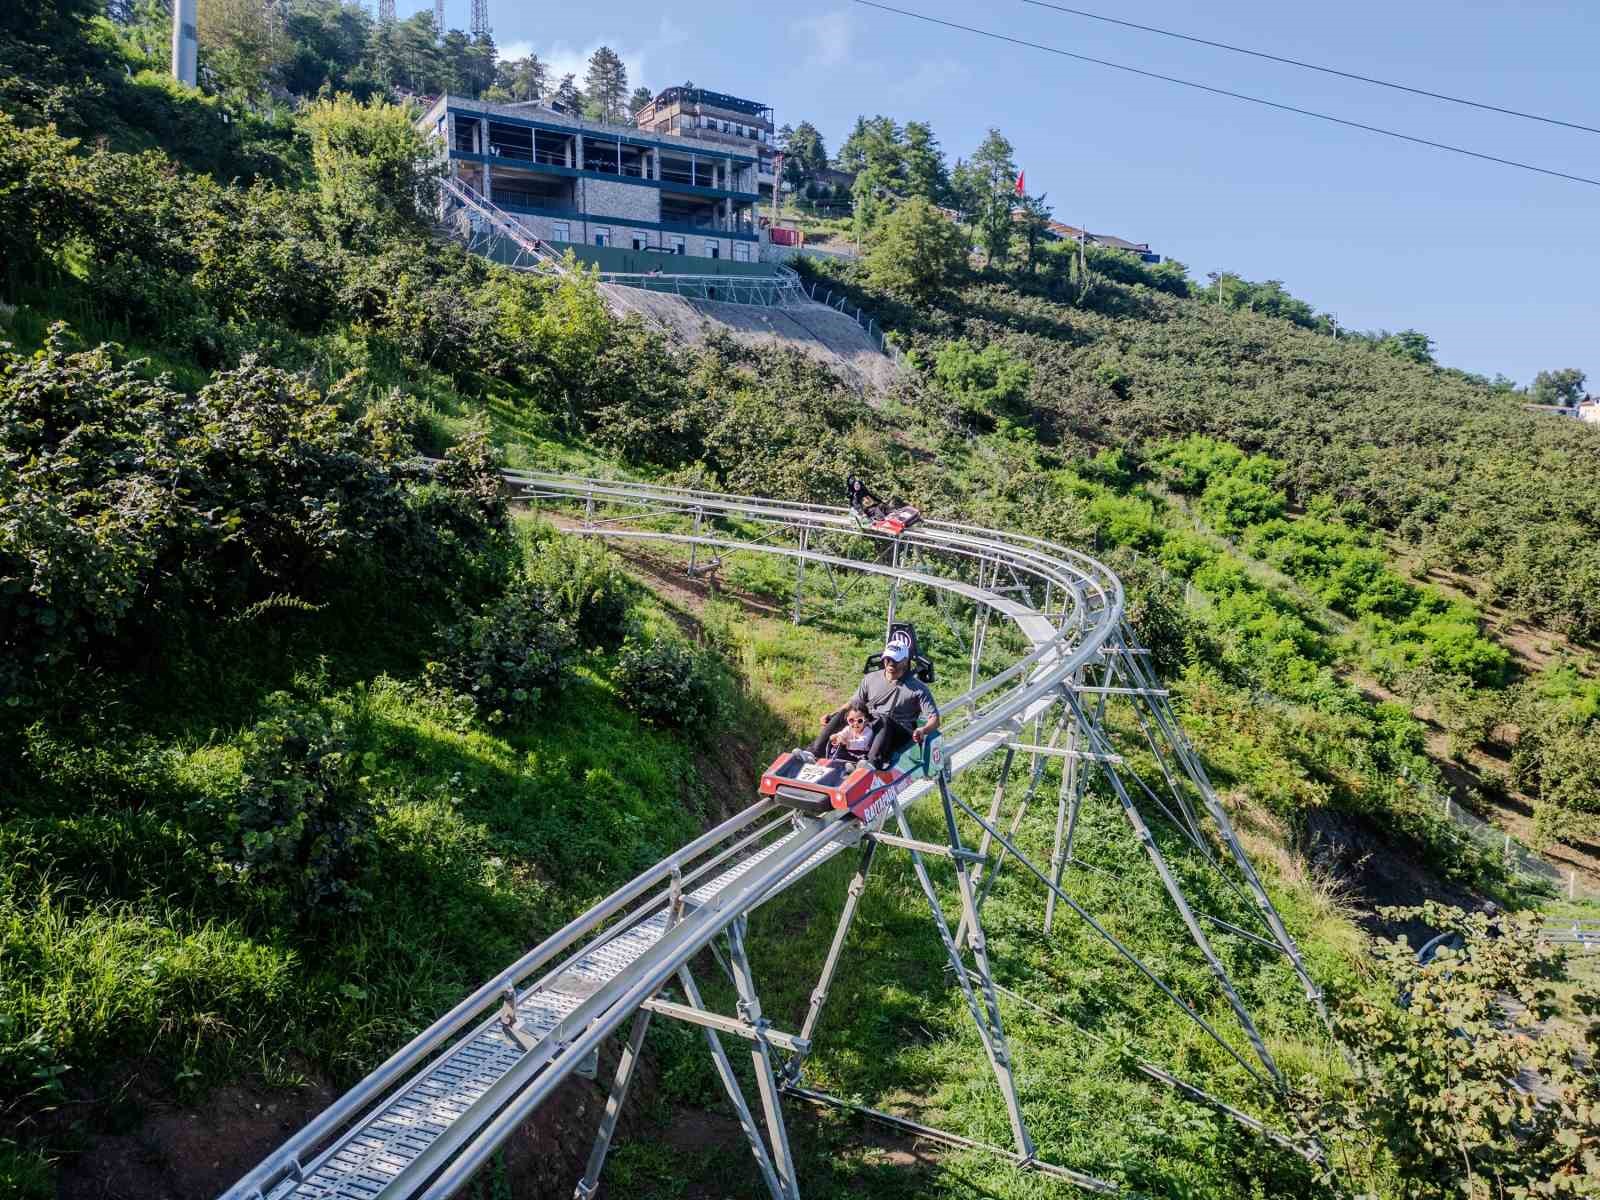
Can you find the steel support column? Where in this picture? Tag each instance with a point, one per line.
(761, 1060)
(614, 1102)
(992, 1036)
(983, 842)
(819, 994)
(730, 1084)
(1136, 820)
(800, 572)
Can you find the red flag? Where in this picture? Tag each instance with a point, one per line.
(1019, 189)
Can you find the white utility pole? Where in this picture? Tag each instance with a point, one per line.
(185, 42)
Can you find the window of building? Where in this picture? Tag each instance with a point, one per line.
(602, 237)
(675, 245)
(741, 252)
(641, 241)
(713, 248)
(560, 231)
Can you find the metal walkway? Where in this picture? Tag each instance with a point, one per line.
(429, 1117)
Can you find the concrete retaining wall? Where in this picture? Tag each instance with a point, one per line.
(829, 337)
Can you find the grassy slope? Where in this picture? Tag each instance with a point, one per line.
(896, 1034)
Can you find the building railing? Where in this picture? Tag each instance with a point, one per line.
(560, 204)
(702, 225)
(875, 332)
(604, 166)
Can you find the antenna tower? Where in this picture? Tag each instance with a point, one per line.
(386, 11)
(480, 18)
(438, 17)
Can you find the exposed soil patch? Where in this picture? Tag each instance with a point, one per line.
(1376, 871)
(194, 1153)
(179, 1152)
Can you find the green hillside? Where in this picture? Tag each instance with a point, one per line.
(300, 739)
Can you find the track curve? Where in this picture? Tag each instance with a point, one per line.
(427, 1118)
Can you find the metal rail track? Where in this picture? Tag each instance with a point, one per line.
(425, 1120)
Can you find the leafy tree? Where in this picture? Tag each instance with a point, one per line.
(641, 96)
(1408, 344)
(567, 94)
(606, 84)
(474, 65)
(1437, 1105)
(803, 154)
(880, 174)
(985, 186)
(852, 154)
(522, 78)
(1563, 387)
(916, 252)
(374, 174)
(924, 168)
(328, 47)
(241, 42)
(1031, 218)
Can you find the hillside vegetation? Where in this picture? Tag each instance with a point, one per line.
(301, 736)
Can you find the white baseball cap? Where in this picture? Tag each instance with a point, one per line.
(897, 652)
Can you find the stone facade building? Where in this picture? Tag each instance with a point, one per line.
(570, 180)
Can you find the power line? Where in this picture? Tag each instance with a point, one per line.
(1295, 62)
(1216, 91)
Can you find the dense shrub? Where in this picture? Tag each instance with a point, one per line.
(376, 177)
(509, 656)
(1233, 503)
(1437, 1103)
(298, 831)
(983, 385)
(667, 683)
(125, 505)
(586, 584)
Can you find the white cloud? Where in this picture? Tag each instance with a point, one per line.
(832, 37)
(646, 63)
(929, 79)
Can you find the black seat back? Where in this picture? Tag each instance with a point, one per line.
(921, 666)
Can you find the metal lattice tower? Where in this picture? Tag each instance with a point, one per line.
(1078, 690)
(386, 12)
(438, 17)
(480, 18)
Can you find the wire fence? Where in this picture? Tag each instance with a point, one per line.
(1525, 865)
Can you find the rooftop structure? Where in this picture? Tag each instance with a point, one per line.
(569, 180)
(715, 117)
(1056, 231)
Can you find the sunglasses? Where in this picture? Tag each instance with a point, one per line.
(855, 720)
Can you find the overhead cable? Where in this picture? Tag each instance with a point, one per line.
(1295, 62)
(1217, 91)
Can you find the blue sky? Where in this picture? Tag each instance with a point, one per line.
(1497, 265)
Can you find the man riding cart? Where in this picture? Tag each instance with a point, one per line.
(898, 704)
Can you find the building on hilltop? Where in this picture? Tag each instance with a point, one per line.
(1056, 231)
(691, 112)
(569, 180)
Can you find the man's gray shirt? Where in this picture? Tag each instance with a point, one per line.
(903, 702)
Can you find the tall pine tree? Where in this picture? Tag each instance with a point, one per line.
(606, 85)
